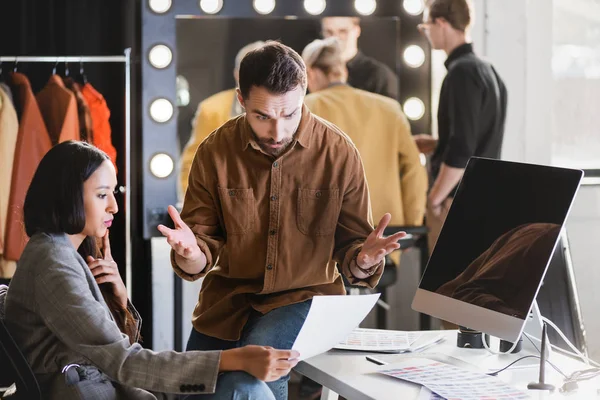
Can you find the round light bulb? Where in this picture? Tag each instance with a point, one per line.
(263, 7)
(414, 7)
(160, 56)
(161, 165)
(211, 6)
(161, 110)
(314, 7)
(414, 108)
(365, 7)
(414, 56)
(159, 6)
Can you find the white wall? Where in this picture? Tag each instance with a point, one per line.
(517, 39)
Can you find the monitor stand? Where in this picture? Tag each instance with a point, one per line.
(541, 383)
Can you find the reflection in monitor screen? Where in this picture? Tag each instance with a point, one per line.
(505, 276)
(495, 245)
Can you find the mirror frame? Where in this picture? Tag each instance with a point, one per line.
(157, 193)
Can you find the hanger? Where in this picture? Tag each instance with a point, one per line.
(66, 69)
(54, 68)
(82, 76)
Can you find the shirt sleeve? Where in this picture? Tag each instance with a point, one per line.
(201, 215)
(355, 222)
(67, 306)
(465, 96)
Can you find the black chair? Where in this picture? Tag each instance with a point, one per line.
(416, 237)
(15, 368)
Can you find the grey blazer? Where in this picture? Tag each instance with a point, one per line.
(56, 313)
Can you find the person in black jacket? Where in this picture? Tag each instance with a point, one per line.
(364, 72)
(471, 111)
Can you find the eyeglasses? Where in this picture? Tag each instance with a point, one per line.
(425, 26)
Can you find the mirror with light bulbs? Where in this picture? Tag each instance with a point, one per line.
(207, 65)
(189, 50)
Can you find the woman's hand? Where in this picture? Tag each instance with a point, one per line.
(106, 270)
(263, 362)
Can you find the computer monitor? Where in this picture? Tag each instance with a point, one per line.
(495, 245)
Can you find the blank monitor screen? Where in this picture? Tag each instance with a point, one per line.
(495, 245)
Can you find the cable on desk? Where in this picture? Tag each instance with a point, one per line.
(495, 373)
(578, 353)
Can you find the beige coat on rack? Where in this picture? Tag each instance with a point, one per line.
(59, 110)
(9, 129)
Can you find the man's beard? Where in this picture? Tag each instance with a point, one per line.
(264, 145)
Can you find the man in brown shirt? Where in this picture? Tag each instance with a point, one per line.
(277, 206)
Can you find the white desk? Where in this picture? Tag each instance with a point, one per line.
(350, 375)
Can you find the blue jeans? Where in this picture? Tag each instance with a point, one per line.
(237, 385)
(277, 328)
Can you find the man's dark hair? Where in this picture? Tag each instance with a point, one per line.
(456, 12)
(274, 66)
(54, 200)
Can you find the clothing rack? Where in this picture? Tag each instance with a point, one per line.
(125, 59)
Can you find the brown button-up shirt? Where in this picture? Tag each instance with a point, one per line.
(273, 230)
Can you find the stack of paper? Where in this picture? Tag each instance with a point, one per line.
(384, 341)
(454, 383)
(377, 340)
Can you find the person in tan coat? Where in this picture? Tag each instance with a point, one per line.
(211, 114)
(377, 126)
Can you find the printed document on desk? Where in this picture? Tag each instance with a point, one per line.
(378, 340)
(387, 341)
(453, 383)
(330, 319)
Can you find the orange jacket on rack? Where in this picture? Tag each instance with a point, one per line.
(33, 142)
(9, 128)
(59, 110)
(100, 121)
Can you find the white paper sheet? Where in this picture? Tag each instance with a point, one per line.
(426, 394)
(452, 382)
(330, 319)
(376, 340)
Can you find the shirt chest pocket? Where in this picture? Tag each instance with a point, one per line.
(238, 207)
(318, 211)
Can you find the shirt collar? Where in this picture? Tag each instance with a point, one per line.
(334, 84)
(460, 51)
(302, 133)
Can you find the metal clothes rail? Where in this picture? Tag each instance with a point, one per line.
(125, 59)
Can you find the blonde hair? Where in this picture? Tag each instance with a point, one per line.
(245, 50)
(326, 55)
